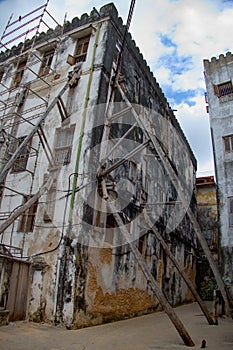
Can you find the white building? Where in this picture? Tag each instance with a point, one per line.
(63, 257)
(219, 78)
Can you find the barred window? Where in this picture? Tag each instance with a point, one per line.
(63, 146)
(223, 89)
(81, 49)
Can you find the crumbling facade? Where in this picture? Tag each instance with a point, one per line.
(218, 76)
(68, 247)
(207, 216)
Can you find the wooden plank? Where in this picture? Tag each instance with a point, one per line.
(20, 307)
(119, 114)
(150, 279)
(18, 291)
(182, 273)
(12, 290)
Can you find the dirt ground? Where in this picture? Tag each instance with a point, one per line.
(152, 332)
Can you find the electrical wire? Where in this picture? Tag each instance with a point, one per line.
(62, 231)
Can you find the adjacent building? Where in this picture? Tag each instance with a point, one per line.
(207, 217)
(218, 77)
(69, 101)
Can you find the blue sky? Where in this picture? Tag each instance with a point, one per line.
(174, 37)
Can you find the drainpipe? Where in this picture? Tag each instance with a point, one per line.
(74, 185)
(83, 126)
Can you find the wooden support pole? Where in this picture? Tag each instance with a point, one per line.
(27, 205)
(204, 245)
(182, 273)
(30, 135)
(180, 188)
(150, 279)
(125, 158)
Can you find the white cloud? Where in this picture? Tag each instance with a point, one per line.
(194, 121)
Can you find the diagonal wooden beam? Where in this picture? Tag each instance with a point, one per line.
(180, 188)
(9, 164)
(182, 273)
(150, 279)
(14, 215)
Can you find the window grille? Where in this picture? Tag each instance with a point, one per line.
(81, 49)
(225, 89)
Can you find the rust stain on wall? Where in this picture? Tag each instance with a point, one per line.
(92, 281)
(106, 256)
(124, 303)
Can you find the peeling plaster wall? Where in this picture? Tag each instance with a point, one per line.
(218, 71)
(207, 216)
(82, 279)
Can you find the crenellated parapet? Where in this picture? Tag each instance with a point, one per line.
(216, 63)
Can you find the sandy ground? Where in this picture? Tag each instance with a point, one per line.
(152, 332)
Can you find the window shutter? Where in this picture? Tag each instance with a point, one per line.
(216, 90)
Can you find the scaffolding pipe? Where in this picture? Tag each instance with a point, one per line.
(31, 133)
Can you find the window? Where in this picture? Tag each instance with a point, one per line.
(28, 218)
(140, 244)
(19, 73)
(20, 163)
(223, 89)
(136, 88)
(230, 211)
(117, 53)
(81, 49)
(132, 171)
(1, 75)
(228, 143)
(63, 147)
(46, 62)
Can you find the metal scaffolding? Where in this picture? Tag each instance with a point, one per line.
(12, 113)
(32, 48)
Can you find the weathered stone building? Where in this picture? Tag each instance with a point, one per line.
(218, 76)
(65, 259)
(207, 216)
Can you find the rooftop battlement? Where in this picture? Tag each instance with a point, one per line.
(216, 63)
